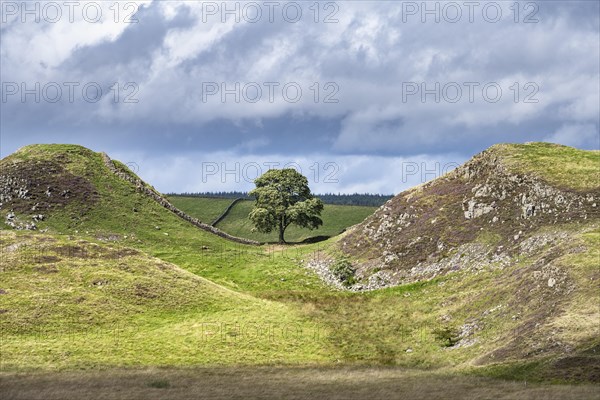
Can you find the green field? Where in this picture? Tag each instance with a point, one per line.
(204, 208)
(335, 218)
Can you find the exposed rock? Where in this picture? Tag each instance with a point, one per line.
(16, 222)
(321, 266)
(481, 216)
(29, 187)
(475, 210)
(466, 334)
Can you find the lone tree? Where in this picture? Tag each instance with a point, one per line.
(283, 198)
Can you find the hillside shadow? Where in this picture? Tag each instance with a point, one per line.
(313, 239)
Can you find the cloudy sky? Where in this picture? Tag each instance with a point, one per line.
(372, 96)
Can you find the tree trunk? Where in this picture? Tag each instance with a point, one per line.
(281, 230)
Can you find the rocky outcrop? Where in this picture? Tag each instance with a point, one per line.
(141, 186)
(321, 265)
(23, 223)
(495, 188)
(30, 190)
(12, 188)
(479, 216)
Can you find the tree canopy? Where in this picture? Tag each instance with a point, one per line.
(284, 198)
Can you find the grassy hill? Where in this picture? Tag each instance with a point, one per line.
(72, 303)
(336, 218)
(499, 199)
(522, 216)
(561, 166)
(116, 280)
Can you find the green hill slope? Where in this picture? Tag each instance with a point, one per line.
(517, 226)
(68, 188)
(94, 283)
(71, 303)
(560, 166)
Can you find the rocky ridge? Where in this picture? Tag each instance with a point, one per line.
(482, 216)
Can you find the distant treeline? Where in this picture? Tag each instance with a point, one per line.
(356, 199)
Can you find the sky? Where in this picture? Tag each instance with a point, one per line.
(360, 96)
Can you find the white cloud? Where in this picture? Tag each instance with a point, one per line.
(230, 171)
(576, 135)
(29, 48)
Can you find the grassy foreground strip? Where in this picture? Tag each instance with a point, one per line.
(277, 383)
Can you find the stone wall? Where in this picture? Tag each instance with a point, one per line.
(224, 214)
(142, 187)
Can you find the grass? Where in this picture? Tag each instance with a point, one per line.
(78, 304)
(335, 218)
(265, 309)
(562, 166)
(204, 208)
(298, 383)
